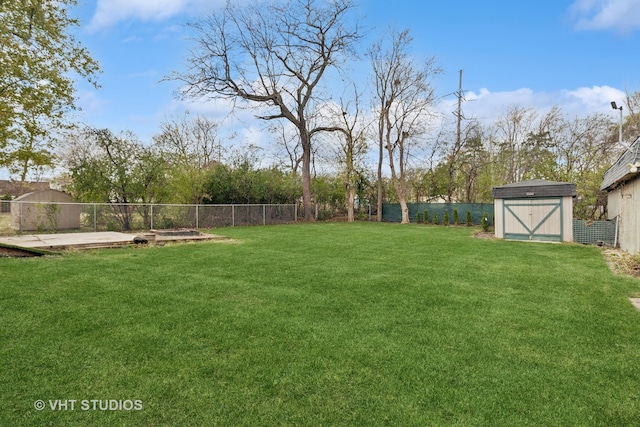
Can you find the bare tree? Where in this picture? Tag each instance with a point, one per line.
(631, 128)
(287, 140)
(190, 141)
(526, 144)
(273, 56)
(403, 95)
(352, 147)
(191, 146)
(510, 133)
(470, 160)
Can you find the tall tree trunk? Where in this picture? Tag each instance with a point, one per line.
(306, 175)
(380, 160)
(400, 186)
(350, 194)
(402, 198)
(405, 210)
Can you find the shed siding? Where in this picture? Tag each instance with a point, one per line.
(499, 225)
(567, 220)
(613, 203)
(33, 214)
(623, 202)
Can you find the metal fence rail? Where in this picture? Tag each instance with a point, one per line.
(56, 216)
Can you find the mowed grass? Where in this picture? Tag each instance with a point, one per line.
(322, 324)
(5, 224)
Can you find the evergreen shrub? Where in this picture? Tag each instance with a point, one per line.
(485, 222)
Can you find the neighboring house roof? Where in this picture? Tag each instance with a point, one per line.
(18, 188)
(619, 171)
(47, 195)
(535, 188)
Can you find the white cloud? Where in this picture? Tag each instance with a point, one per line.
(482, 105)
(622, 16)
(593, 98)
(110, 12)
(91, 103)
(486, 106)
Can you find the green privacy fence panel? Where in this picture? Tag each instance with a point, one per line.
(594, 232)
(391, 211)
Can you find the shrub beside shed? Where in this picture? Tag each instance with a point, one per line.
(45, 210)
(535, 210)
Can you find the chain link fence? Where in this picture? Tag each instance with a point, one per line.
(601, 233)
(16, 216)
(58, 216)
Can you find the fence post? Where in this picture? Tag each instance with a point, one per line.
(264, 214)
(197, 219)
(233, 215)
(95, 219)
(151, 216)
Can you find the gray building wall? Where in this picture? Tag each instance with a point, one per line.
(624, 203)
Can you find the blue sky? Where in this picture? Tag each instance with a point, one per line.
(577, 54)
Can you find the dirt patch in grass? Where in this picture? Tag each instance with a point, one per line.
(621, 262)
(635, 302)
(17, 251)
(485, 235)
(5, 225)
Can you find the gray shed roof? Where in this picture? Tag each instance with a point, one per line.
(536, 188)
(619, 171)
(17, 188)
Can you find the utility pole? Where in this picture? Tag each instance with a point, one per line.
(615, 107)
(459, 114)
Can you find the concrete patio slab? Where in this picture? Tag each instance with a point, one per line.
(101, 239)
(69, 240)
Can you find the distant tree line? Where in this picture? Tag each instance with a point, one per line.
(118, 168)
(189, 162)
(334, 150)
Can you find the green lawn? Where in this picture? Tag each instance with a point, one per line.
(322, 324)
(5, 224)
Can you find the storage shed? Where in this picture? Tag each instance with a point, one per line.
(536, 210)
(45, 210)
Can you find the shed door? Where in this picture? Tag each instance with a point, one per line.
(533, 219)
